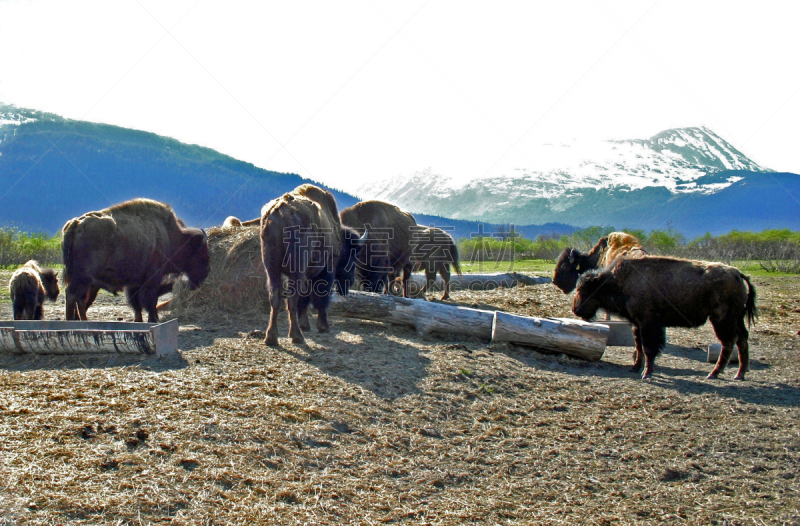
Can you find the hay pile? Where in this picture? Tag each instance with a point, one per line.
(237, 283)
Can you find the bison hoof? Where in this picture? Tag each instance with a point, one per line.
(647, 375)
(271, 341)
(712, 376)
(298, 340)
(739, 376)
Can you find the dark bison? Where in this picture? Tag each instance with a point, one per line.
(658, 292)
(434, 250)
(571, 263)
(303, 239)
(29, 286)
(388, 247)
(139, 246)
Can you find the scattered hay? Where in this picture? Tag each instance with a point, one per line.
(237, 283)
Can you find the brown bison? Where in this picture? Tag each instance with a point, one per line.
(571, 263)
(388, 247)
(136, 246)
(434, 250)
(302, 238)
(658, 292)
(29, 286)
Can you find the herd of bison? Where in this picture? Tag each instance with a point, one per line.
(310, 250)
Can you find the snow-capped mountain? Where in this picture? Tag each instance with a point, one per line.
(680, 161)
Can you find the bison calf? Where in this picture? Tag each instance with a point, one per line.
(658, 292)
(29, 286)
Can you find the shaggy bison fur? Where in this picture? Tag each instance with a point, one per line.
(388, 248)
(572, 263)
(302, 238)
(134, 246)
(658, 292)
(29, 286)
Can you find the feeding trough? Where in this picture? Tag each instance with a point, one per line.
(89, 337)
(714, 350)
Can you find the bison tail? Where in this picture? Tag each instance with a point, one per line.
(67, 241)
(751, 311)
(454, 258)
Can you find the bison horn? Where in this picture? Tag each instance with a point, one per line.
(363, 237)
(205, 236)
(571, 256)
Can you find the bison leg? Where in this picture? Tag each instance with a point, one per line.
(320, 298)
(444, 271)
(76, 300)
(20, 310)
(302, 311)
(91, 295)
(653, 340)
(406, 276)
(727, 334)
(638, 351)
(275, 305)
(744, 350)
(295, 333)
(135, 301)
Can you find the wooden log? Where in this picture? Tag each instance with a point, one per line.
(620, 332)
(475, 282)
(574, 337)
(426, 317)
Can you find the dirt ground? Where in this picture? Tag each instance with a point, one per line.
(372, 424)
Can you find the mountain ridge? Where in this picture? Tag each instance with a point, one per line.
(53, 169)
(637, 183)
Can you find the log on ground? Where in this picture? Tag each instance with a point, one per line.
(426, 317)
(475, 282)
(573, 337)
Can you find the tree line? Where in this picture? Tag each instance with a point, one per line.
(775, 250)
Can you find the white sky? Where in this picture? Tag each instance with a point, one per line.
(348, 92)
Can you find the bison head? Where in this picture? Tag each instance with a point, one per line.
(594, 291)
(49, 279)
(568, 269)
(348, 258)
(194, 260)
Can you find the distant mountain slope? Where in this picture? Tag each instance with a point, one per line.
(690, 178)
(53, 169)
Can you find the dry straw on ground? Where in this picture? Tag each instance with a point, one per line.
(371, 424)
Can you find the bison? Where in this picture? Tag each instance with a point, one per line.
(388, 248)
(658, 292)
(434, 250)
(571, 263)
(134, 246)
(303, 239)
(29, 286)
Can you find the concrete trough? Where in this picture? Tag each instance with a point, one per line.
(620, 333)
(714, 349)
(89, 337)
